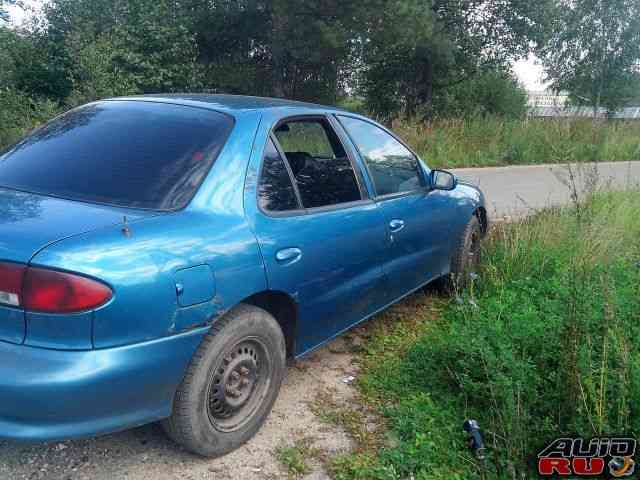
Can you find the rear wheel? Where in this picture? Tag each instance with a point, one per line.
(466, 258)
(231, 385)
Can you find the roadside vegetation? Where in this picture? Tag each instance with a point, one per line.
(544, 343)
(493, 141)
(443, 143)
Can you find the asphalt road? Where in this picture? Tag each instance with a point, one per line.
(517, 191)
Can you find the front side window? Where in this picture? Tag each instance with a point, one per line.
(393, 168)
(320, 166)
(275, 190)
(124, 153)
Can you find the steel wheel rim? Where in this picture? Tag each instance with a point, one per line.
(238, 384)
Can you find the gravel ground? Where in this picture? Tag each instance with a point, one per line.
(146, 454)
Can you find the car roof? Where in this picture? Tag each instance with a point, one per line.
(227, 103)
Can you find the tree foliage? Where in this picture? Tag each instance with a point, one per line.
(416, 57)
(412, 52)
(594, 51)
(489, 93)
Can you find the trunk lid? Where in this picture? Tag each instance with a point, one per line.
(29, 222)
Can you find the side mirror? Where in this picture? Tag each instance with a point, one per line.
(443, 180)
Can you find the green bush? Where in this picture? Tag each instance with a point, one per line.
(20, 113)
(491, 93)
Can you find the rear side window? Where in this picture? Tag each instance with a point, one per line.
(307, 136)
(123, 153)
(393, 168)
(320, 166)
(275, 190)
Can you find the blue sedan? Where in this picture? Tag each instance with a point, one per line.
(162, 256)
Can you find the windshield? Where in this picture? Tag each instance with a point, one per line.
(124, 153)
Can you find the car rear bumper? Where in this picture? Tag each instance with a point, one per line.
(54, 395)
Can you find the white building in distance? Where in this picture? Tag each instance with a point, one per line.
(547, 99)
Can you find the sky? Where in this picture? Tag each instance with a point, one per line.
(17, 14)
(528, 71)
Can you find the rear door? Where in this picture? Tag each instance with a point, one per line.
(415, 218)
(321, 237)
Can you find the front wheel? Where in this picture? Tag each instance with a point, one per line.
(466, 257)
(231, 384)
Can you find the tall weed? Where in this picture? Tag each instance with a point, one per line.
(545, 344)
(548, 344)
(492, 141)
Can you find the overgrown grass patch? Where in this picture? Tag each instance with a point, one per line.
(493, 141)
(545, 343)
(295, 458)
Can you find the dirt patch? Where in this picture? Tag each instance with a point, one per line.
(145, 453)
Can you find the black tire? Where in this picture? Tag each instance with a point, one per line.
(466, 257)
(231, 384)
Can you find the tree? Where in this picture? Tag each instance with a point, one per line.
(309, 46)
(594, 51)
(401, 55)
(120, 47)
(490, 93)
(415, 48)
(7, 37)
(7, 64)
(298, 49)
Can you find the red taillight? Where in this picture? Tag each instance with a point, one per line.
(49, 291)
(11, 276)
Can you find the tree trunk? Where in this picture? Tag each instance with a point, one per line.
(426, 97)
(278, 53)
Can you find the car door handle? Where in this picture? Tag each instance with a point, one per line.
(288, 255)
(396, 225)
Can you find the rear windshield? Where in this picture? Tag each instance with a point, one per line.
(124, 153)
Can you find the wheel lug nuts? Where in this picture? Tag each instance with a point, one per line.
(235, 375)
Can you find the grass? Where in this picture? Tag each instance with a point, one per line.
(545, 343)
(348, 418)
(483, 142)
(295, 457)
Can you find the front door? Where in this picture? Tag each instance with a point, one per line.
(322, 239)
(415, 217)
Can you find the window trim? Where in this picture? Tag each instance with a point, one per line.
(387, 196)
(302, 210)
(346, 142)
(364, 194)
(275, 213)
